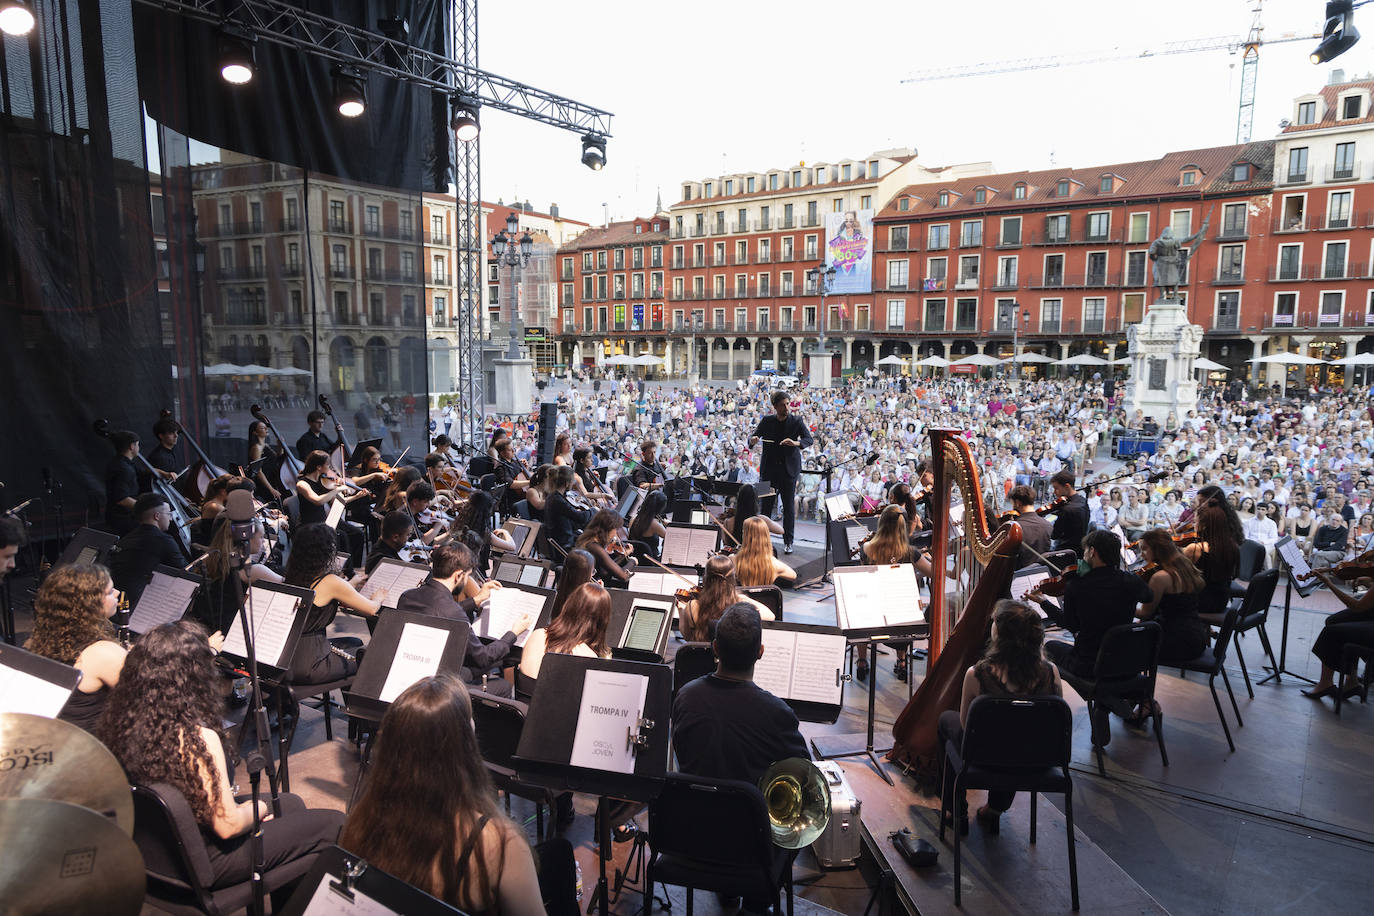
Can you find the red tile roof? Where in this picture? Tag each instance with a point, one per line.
(619, 233)
(1331, 99)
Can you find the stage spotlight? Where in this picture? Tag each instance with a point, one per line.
(16, 17)
(464, 120)
(1339, 34)
(594, 151)
(237, 60)
(350, 92)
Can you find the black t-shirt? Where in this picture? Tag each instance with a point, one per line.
(380, 550)
(1070, 524)
(1094, 603)
(725, 729)
(121, 482)
(137, 554)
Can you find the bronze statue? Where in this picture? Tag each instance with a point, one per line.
(1170, 257)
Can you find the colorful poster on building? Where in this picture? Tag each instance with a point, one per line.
(638, 313)
(620, 316)
(656, 314)
(849, 249)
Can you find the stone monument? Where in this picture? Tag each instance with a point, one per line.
(1163, 347)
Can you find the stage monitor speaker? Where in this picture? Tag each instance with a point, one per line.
(548, 432)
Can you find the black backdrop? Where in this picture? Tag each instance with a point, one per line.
(96, 320)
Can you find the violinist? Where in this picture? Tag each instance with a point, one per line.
(647, 528)
(1174, 585)
(746, 507)
(474, 522)
(430, 526)
(719, 589)
(578, 568)
(1071, 518)
(562, 520)
(889, 544)
(1216, 554)
(900, 495)
(511, 474)
(443, 446)
(601, 533)
(1354, 625)
(263, 487)
(1035, 530)
(754, 562)
(121, 482)
(395, 532)
(395, 497)
(538, 492)
(317, 489)
(366, 472)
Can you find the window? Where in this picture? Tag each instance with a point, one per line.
(1139, 228)
(637, 258)
(896, 314)
(677, 287)
(619, 259)
(1297, 164)
(1187, 178)
(1240, 172)
(1289, 258)
(226, 219)
(785, 279)
(935, 315)
(1307, 112)
(293, 257)
(719, 255)
(1006, 272)
(787, 248)
(1099, 225)
(1050, 310)
(601, 287)
(742, 252)
(637, 285)
(293, 217)
(1062, 188)
(436, 228)
(729, 186)
(1054, 270)
(1104, 185)
(586, 260)
(374, 261)
(936, 269)
(1231, 264)
(772, 182)
(812, 217)
(718, 287)
(980, 195)
(1228, 311)
(407, 221)
(763, 218)
(796, 178)
(1182, 223)
(749, 185)
(1011, 230)
(837, 205)
(1369, 310)
(1329, 312)
(708, 189)
(342, 313)
(897, 274)
(1097, 268)
(904, 204)
(765, 250)
(971, 233)
(943, 200)
(1094, 314)
(966, 314)
(1019, 191)
(376, 310)
(336, 216)
(566, 294)
(440, 271)
(1294, 213)
(1285, 309)
(968, 271)
(1135, 268)
(1233, 220)
(1333, 263)
(1344, 166)
(1338, 210)
(763, 319)
(741, 285)
(601, 260)
(408, 266)
(656, 256)
(765, 284)
(844, 173)
(741, 319)
(865, 202)
(938, 237)
(1057, 228)
(1350, 106)
(686, 192)
(372, 220)
(340, 260)
(896, 238)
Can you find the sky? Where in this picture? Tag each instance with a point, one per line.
(704, 88)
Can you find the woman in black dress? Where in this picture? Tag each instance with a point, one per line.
(311, 565)
(1174, 589)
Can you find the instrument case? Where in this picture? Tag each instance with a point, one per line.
(838, 846)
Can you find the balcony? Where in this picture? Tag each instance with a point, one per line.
(764, 224)
(1049, 326)
(967, 283)
(786, 223)
(342, 226)
(290, 224)
(253, 272)
(1010, 241)
(1348, 171)
(1052, 238)
(677, 232)
(1295, 177)
(1135, 278)
(1354, 318)
(699, 260)
(1229, 277)
(1004, 282)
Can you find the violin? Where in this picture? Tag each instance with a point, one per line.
(619, 549)
(687, 594)
(1056, 586)
(1360, 567)
(1148, 570)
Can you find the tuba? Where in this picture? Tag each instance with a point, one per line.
(798, 801)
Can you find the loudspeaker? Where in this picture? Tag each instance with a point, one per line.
(548, 432)
(1109, 388)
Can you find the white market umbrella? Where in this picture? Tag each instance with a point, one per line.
(1123, 361)
(255, 369)
(618, 361)
(978, 359)
(892, 360)
(1287, 359)
(293, 370)
(1082, 359)
(1210, 365)
(1031, 357)
(647, 359)
(223, 369)
(938, 362)
(1359, 359)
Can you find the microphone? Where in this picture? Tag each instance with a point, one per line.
(1157, 476)
(871, 459)
(19, 508)
(198, 560)
(242, 515)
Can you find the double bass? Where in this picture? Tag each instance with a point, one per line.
(966, 583)
(196, 478)
(183, 513)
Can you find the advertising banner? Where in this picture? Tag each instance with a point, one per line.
(849, 249)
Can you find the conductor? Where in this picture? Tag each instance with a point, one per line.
(783, 436)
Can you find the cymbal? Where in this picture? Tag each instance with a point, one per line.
(64, 859)
(47, 758)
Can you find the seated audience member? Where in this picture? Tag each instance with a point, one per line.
(1354, 625)
(1330, 539)
(754, 561)
(1013, 665)
(1174, 588)
(178, 741)
(145, 548)
(440, 828)
(579, 630)
(71, 624)
(437, 597)
(719, 590)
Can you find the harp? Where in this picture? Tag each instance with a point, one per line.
(972, 563)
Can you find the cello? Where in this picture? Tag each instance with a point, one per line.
(289, 470)
(183, 513)
(341, 453)
(966, 584)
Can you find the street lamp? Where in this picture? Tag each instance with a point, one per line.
(822, 276)
(1010, 312)
(513, 254)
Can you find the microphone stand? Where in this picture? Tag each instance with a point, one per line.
(826, 472)
(258, 758)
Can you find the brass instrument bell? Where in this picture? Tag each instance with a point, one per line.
(798, 801)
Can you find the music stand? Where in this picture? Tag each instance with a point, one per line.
(524, 533)
(599, 726)
(797, 665)
(396, 577)
(276, 616)
(873, 604)
(169, 594)
(502, 607)
(33, 684)
(539, 573)
(87, 546)
(640, 623)
(340, 883)
(1295, 569)
(689, 545)
(630, 503)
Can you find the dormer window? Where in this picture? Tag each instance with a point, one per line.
(1240, 171)
(904, 204)
(1352, 107)
(1307, 112)
(1105, 184)
(709, 188)
(943, 200)
(1019, 192)
(980, 195)
(1187, 177)
(686, 192)
(1062, 189)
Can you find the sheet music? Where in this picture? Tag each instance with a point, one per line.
(660, 583)
(165, 600)
(417, 656)
(395, 578)
(801, 666)
(271, 619)
(877, 596)
(336, 511)
(326, 902)
(87, 555)
(612, 704)
(688, 546)
(1291, 552)
(1021, 584)
(28, 693)
(506, 606)
(839, 505)
(508, 572)
(853, 535)
(532, 575)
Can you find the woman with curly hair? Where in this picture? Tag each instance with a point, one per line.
(440, 828)
(1013, 665)
(162, 724)
(580, 629)
(719, 589)
(754, 562)
(311, 565)
(71, 624)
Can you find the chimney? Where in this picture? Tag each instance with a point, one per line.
(553, 211)
(1337, 77)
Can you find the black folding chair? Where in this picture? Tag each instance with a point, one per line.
(1017, 746)
(498, 723)
(1213, 662)
(693, 660)
(770, 596)
(1351, 655)
(1250, 565)
(1251, 614)
(1126, 669)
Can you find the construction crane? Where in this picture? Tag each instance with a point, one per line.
(1247, 46)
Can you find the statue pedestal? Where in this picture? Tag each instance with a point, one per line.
(1162, 349)
(818, 374)
(514, 385)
